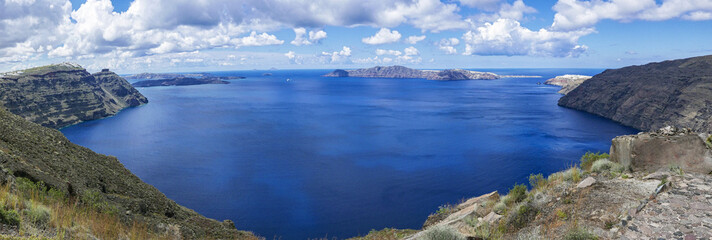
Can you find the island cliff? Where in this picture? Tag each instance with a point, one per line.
(650, 96)
(567, 82)
(64, 94)
(404, 72)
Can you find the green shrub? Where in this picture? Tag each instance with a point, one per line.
(561, 214)
(9, 217)
(442, 233)
(517, 194)
(572, 174)
(537, 181)
(36, 213)
(28, 188)
(521, 215)
(578, 233)
(589, 158)
(606, 165)
(445, 209)
(500, 207)
(95, 199)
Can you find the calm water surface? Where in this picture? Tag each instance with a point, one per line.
(337, 157)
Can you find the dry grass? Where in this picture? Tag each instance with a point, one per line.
(68, 218)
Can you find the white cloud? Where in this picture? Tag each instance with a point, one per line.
(290, 55)
(574, 14)
(384, 35)
(316, 36)
(301, 37)
(414, 39)
(340, 56)
(411, 51)
(380, 52)
(508, 37)
(515, 11)
(484, 4)
(255, 39)
(447, 45)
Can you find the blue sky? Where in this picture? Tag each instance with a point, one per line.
(187, 35)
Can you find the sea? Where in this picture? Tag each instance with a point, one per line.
(294, 155)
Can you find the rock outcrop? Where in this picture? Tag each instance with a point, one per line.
(567, 82)
(651, 96)
(663, 149)
(43, 154)
(404, 72)
(64, 94)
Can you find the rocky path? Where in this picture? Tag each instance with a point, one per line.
(684, 211)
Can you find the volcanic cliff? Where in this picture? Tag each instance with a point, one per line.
(651, 96)
(63, 94)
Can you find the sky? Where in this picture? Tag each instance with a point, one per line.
(222, 35)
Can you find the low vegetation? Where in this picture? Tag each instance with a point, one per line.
(522, 206)
(38, 212)
(442, 233)
(387, 234)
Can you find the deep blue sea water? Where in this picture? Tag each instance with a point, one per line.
(336, 157)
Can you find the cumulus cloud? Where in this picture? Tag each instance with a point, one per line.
(447, 45)
(380, 52)
(255, 39)
(30, 27)
(484, 4)
(508, 37)
(514, 11)
(338, 56)
(574, 14)
(411, 51)
(414, 39)
(301, 37)
(384, 35)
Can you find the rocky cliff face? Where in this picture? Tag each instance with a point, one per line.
(567, 82)
(651, 96)
(43, 154)
(64, 94)
(404, 72)
(662, 149)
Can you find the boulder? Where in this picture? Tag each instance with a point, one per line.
(662, 149)
(586, 182)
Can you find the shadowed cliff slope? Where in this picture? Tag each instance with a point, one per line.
(651, 96)
(43, 154)
(64, 94)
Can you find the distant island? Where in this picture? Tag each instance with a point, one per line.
(141, 76)
(177, 79)
(567, 82)
(404, 72)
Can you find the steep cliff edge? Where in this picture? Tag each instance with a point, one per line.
(651, 96)
(60, 95)
(42, 154)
